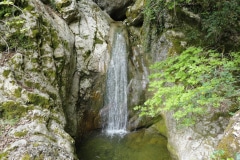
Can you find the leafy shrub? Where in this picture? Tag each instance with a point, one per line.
(192, 82)
(222, 21)
(13, 31)
(219, 18)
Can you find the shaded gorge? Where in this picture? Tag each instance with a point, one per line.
(114, 141)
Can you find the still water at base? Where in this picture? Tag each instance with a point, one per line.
(141, 145)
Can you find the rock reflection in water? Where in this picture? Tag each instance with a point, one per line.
(140, 145)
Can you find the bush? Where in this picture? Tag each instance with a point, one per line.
(192, 82)
(220, 19)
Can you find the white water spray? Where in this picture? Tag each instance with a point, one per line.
(116, 87)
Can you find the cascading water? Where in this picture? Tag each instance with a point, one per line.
(142, 144)
(116, 86)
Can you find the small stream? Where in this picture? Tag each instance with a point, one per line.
(140, 145)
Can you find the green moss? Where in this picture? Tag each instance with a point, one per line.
(55, 118)
(226, 147)
(26, 157)
(17, 92)
(32, 84)
(98, 41)
(40, 157)
(86, 54)
(177, 47)
(47, 136)
(29, 8)
(35, 33)
(20, 134)
(54, 39)
(161, 127)
(35, 144)
(13, 110)
(3, 155)
(6, 73)
(52, 95)
(65, 44)
(86, 36)
(50, 74)
(34, 60)
(37, 99)
(64, 3)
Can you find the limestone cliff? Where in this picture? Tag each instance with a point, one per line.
(52, 78)
(53, 61)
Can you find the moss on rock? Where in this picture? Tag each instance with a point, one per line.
(6, 73)
(26, 157)
(37, 99)
(17, 92)
(13, 110)
(21, 134)
(231, 139)
(3, 155)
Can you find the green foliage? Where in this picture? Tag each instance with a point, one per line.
(21, 134)
(216, 155)
(219, 18)
(153, 13)
(38, 99)
(221, 22)
(192, 82)
(13, 30)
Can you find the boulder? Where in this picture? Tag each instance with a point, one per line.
(230, 143)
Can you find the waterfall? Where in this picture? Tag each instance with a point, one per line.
(116, 86)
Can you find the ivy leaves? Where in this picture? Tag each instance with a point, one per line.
(192, 82)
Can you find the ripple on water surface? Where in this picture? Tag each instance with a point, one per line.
(140, 145)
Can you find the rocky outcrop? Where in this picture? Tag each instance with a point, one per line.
(52, 80)
(230, 143)
(33, 83)
(197, 142)
(134, 13)
(116, 9)
(86, 92)
(186, 143)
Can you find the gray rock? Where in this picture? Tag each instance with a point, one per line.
(230, 142)
(32, 81)
(116, 9)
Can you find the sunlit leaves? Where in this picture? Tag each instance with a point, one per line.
(192, 82)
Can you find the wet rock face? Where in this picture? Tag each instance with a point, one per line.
(91, 34)
(116, 9)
